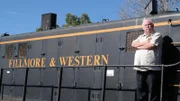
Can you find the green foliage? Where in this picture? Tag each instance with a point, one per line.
(38, 29)
(84, 19)
(73, 20)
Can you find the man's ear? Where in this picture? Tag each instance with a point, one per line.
(153, 25)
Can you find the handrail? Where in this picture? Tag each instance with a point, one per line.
(67, 87)
(170, 65)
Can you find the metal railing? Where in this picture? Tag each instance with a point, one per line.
(59, 87)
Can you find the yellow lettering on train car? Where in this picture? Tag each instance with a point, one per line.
(77, 61)
(85, 60)
(62, 61)
(89, 60)
(82, 60)
(96, 60)
(104, 59)
(31, 62)
(70, 60)
(43, 62)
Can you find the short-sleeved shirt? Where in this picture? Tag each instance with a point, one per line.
(149, 57)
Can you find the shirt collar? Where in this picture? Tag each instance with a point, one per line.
(149, 34)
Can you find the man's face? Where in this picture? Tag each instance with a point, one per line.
(147, 27)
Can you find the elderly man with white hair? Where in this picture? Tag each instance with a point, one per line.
(148, 52)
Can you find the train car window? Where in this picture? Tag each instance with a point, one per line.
(9, 49)
(130, 36)
(22, 50)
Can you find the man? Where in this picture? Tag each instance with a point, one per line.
(149, 47)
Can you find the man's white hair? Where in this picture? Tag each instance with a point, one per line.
(146, 19)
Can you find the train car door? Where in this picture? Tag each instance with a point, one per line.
(127, 58)
(83, 77)
(107, 48)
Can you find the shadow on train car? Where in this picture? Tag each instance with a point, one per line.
(170, 55)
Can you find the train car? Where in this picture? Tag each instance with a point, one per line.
(84, 52)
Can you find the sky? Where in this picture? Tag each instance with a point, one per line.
(23, 16)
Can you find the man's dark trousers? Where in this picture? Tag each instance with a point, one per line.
(148, 85)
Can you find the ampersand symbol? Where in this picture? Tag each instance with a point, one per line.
(52, 63)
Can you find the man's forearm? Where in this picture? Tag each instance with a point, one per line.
(146, 46)
(137, 44)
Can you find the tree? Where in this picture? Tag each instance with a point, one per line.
(84, 19)
(136, 8)
(73, 20)
(40, 29)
